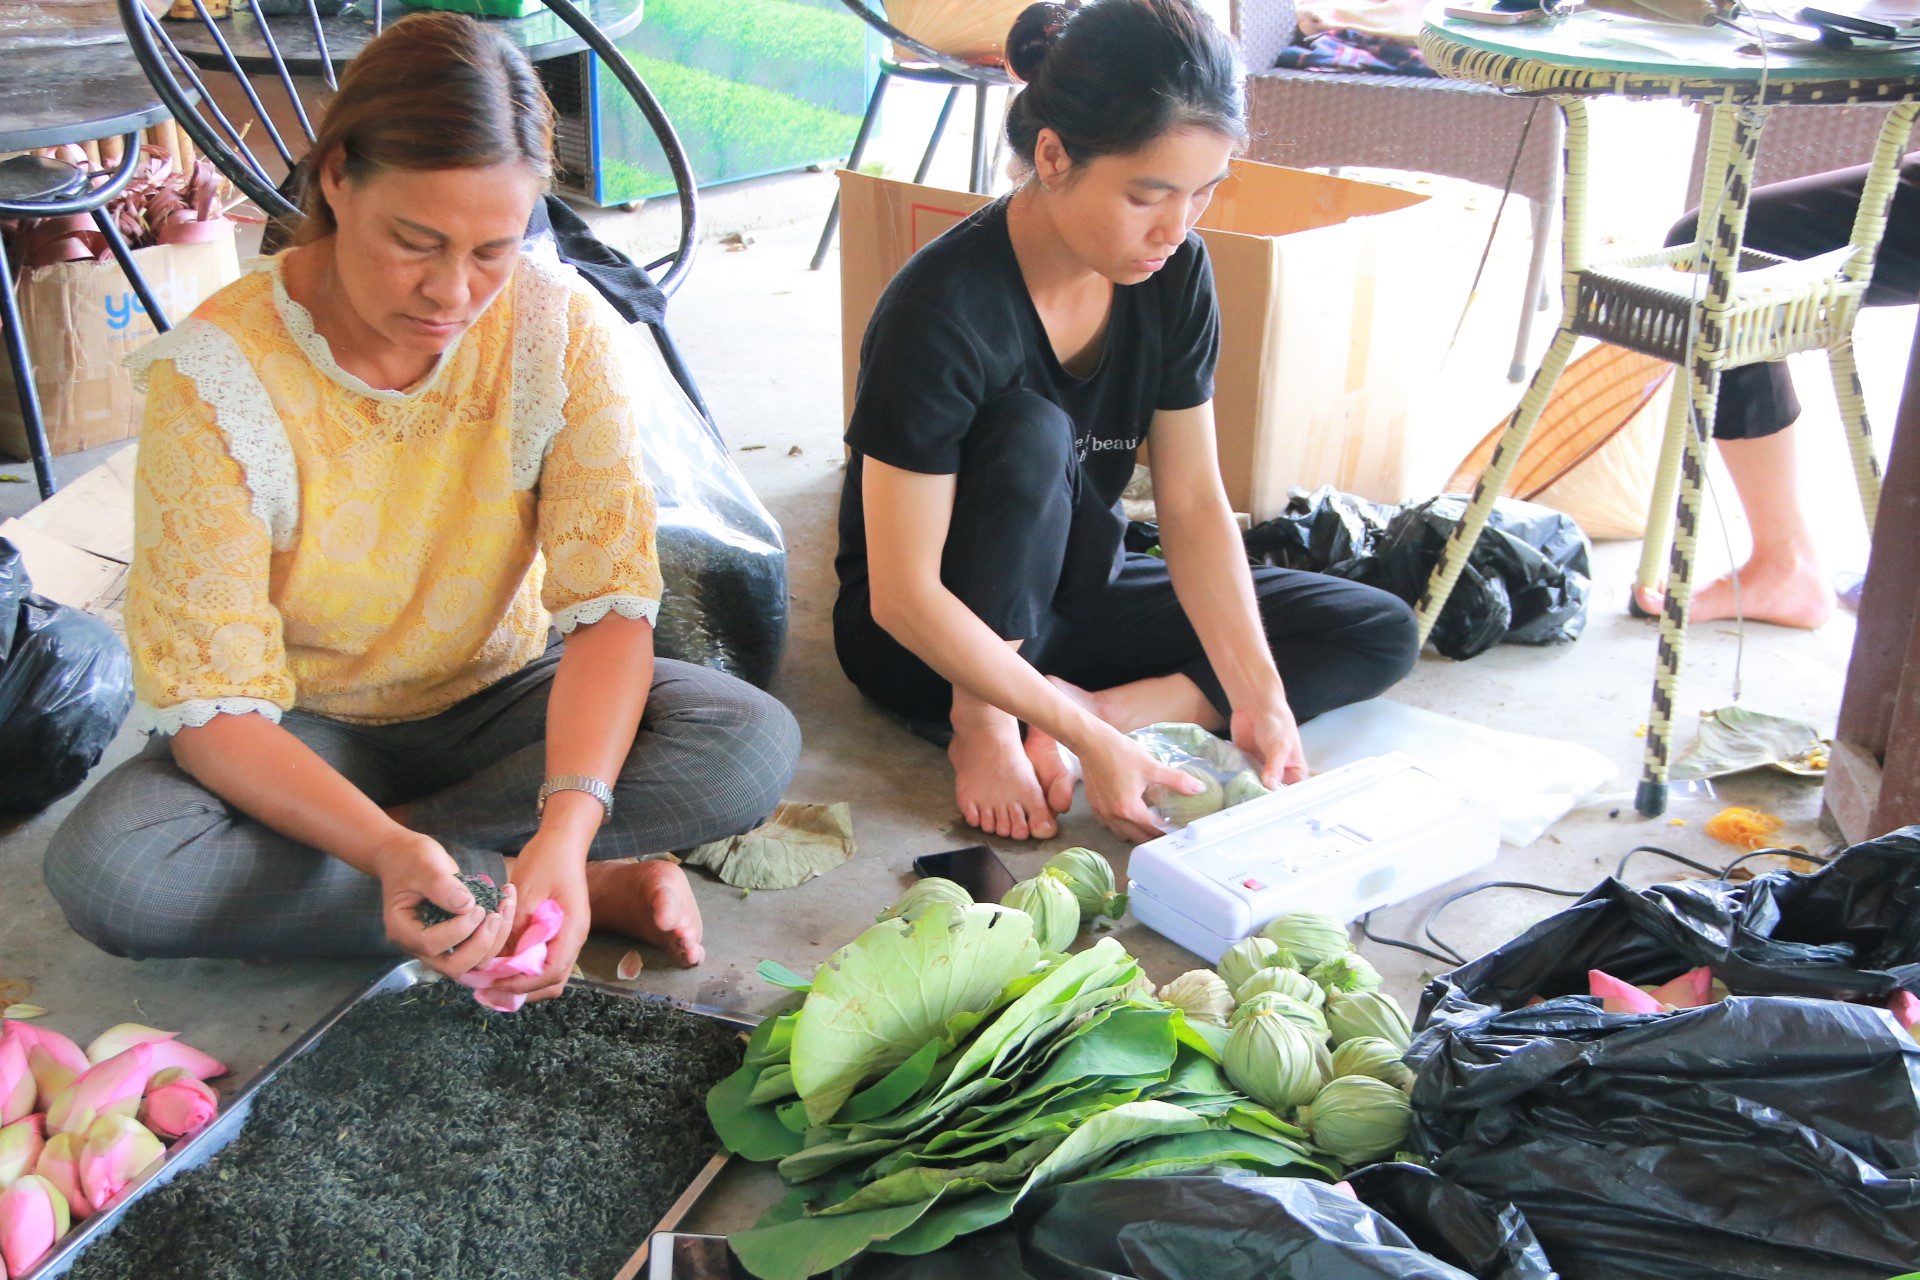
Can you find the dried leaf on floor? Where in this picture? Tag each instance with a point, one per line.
(798, 843)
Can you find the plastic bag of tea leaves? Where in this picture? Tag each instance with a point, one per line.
(721, 553)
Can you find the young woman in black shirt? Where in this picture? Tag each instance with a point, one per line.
(1008, 377)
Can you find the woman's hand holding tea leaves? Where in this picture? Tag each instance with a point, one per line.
(413, 868)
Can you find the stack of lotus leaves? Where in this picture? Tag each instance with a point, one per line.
(950, 1061)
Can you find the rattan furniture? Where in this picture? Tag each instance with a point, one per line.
(1705, 307)
(913, 60)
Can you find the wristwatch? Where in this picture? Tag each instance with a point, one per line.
(575, 782)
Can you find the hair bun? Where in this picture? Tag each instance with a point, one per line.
(1034, 33)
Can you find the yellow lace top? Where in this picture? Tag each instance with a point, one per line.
(303, 539)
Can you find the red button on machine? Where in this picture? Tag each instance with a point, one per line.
(1253, 884)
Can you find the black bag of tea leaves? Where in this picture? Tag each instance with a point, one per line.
(66, 684)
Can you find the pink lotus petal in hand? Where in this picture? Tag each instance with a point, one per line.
(1620, 997)
(1906, 1010)
(1690, 990)
(529, 958)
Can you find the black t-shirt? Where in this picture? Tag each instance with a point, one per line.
(957, 328)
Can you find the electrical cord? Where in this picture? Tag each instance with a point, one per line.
(1451, 955)
(1486, 252)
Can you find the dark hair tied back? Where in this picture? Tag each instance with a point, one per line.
(1110, 76)
(1034, 33)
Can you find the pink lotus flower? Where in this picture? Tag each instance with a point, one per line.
(529, 957)
(33, 1215)
(112, 1087)
(17, 1087)
(60, 1165)
(1906, 1010)
(1690, 990)
(20, 1146)
(177, 1103)
(167, 1050)
(118, 1149)
(1620, 997)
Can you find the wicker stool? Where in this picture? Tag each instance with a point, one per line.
(1706, 307)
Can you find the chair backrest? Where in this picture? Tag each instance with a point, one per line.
(1263, 28)
(252, 109)
(910, 49)
(1800, 141)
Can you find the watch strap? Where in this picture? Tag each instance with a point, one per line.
(575, 782)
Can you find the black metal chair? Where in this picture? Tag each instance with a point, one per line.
(930, 66)
(34, 187)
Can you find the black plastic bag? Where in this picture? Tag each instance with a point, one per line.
(1407, 1225)
(1766, 1136)
(66, 684)
(1525, 583)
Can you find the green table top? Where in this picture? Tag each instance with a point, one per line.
(1605, 42)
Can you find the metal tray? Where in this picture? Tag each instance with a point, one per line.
(195, 1149)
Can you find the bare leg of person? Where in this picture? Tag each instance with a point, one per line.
(1126, 707)
(993, 779)
(1782, 581)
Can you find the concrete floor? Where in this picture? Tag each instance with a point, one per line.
(762, 334)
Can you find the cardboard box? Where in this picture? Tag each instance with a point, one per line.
(1326, 306)
(81, 319)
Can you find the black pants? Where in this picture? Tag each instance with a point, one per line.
(1803, 219)
(1035, 554)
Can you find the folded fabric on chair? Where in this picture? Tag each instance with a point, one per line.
(1351, 50)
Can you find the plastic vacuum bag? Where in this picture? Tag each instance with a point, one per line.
(1406, 1225)
(1229, 776)
(1774, 1134)
(1525, 583)
(66, 684)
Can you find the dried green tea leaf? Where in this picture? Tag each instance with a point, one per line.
(484, 891)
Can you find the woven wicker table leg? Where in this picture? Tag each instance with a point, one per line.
(1486, 490)
(1853, 413)
(1722, 244)
(1666, 484)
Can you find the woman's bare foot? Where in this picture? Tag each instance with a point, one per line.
(994, 781)
(651, 901)
(1787, 593)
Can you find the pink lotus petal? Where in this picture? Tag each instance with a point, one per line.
(1690, 990)
(177, 1103)
(529, 958)
(114, 1086)
(33, 1216)
(117, 1039)
(1906, 1009)
(175, 1053)
(17, 1088)
(20, 1145)
(1620, 997)
(118, 1149)
(1346, 1189)
(60, 1165)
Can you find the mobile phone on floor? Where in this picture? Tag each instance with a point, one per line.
(976, 868)
(674, 1255)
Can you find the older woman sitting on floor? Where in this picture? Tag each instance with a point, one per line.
(373, 473)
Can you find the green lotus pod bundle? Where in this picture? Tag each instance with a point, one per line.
(1202, 995)
(1246, 958)
(1351, 1015)
(1055, 911)
(1312, 936)
(922, 894)
(1287, 982)
(1357, 1119)
(1090, 876)
(1244, 786)
(1372, 1056)
(1298, 1012)
(1275, 1062)
(1348, 973)
(1178, 810)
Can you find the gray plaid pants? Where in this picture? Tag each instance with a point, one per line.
(153, 864)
